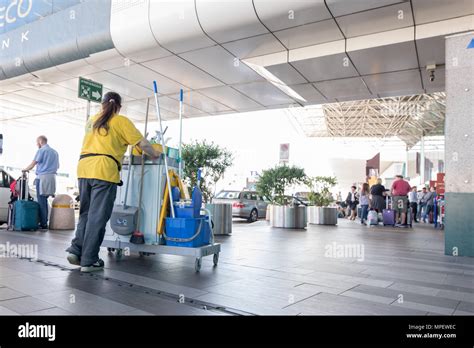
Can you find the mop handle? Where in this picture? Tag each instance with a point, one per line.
(180, 133)
(128, 177)
(158, 114)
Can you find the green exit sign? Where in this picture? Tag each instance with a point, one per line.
(90, 90)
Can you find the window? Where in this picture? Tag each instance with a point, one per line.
(228, 195)
(253, 197)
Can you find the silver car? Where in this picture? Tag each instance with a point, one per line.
(245, 204)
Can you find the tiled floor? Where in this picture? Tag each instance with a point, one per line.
(261, 271)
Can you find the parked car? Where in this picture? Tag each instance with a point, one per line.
(245, 204)
(5, 181)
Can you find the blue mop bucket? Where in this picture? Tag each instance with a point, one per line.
(187, 232)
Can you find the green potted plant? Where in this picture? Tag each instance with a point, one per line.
(273, 184)
(320, 197)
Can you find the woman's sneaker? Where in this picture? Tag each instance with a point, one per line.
(74, 259)
(97, 266)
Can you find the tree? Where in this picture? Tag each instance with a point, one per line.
(274, 181)
(213, 161)
(320, 186)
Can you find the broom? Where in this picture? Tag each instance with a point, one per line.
(137, 236)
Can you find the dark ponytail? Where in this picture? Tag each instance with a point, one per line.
(111, 104)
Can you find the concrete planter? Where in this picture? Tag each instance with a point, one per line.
(288, 217)
(221, 215)
(322, 215)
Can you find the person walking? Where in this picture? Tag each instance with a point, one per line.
(429, 200)
(400, 189)
(364, 202)
(47, 163)
(107, 136)
(413, 199)
(377, 192)
(352, 201)
(422, 203)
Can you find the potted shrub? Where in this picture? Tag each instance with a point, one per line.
(272, 184)
(320, 197)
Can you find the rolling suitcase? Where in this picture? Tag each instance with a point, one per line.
(25, 212)
(388, 215)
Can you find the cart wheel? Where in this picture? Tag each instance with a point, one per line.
(110, 250)
(215, 259)
(118, 254)
(198, 264)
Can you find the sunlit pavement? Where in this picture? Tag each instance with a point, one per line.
(325, 270)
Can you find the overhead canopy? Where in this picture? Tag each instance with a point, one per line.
(229, 56)
(409, 118)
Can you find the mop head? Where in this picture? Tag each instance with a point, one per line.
(137, 238)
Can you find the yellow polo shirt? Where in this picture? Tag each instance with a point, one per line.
(121, 133)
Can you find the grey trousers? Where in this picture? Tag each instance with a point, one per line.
(97, 201)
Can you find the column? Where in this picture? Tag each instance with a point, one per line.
(459, 133)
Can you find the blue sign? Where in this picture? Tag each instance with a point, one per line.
(16, 13)
(471, 44)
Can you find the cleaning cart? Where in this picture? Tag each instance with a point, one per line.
(168, 220)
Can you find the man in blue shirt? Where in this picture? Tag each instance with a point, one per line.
(47, 163)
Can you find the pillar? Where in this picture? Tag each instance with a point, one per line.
(459, 133)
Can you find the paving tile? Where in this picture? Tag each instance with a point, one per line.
(425, 307)
(6, 311)
(25, 305)
(8, 294)
(151, 303)
(417, 289)
(31, 285)
(154, 284)
(83, 303)
(368, 297)
(50, 311)
(466, 307)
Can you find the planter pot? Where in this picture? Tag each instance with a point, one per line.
(288, 217)
(269, 213)
(322, 215)
(221, 215)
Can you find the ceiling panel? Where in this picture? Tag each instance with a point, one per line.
(52, 75)
(172, 105)
(287, 74)
(310, 93)
(395, 83)
(222, 65)
(78, 67)
(228, 20)
(401, 56)
(145, 77)
(330, 67)
(434, 10)
(264, 93)
(201, 102)
(344, 7)
(121, 85)
(60, 91)
(183, 72)
(255, 46)
(107, 59)
(374, 21)
(283, 14)
(176, 27)
(309, 34)
(431, 51)
(352, 89)
(230, 97)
